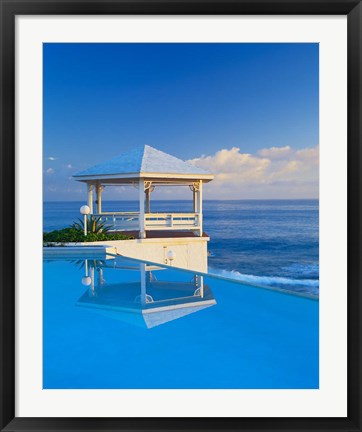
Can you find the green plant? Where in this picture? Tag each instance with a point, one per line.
(94, 225)
(75, 235)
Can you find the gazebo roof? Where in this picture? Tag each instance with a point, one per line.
(173, 301)
(148, 319)
(143, 162)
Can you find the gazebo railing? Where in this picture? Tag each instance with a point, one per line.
(122, 221)
(129, 221)
(170, 221)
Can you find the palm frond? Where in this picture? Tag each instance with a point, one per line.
(94, 225)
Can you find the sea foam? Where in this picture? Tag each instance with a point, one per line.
(265, 280)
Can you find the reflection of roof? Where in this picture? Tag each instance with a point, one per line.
(169, 302)
(143, 161)
(151, 318)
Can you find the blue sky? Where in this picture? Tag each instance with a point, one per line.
(248, 111)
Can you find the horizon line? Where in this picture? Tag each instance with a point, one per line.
(204, 200)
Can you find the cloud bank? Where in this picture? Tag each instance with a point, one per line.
(269, 173)
(275, 172)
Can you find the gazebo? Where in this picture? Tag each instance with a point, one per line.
(146, 168)
(147, 302)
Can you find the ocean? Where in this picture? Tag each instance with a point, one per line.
(272, 243)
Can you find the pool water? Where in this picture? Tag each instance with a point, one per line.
(114, 323)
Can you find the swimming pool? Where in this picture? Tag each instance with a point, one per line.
(115, 323)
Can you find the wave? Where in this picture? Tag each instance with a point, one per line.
(265, 280)
(311, 270)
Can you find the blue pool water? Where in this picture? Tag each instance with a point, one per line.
(121, 324)
(265, 242)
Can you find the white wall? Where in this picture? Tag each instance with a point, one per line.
(190, 253)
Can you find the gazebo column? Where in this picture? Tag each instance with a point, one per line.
(91, 287)
(99, 191)
(142, 208)
(148, 189)
(90, 197)
(199, 206)
(148, 193)
(194, 199)
(143, 283)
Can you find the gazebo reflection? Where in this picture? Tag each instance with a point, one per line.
(148, 301)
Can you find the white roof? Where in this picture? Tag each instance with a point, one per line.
(144, 161)
(121, 301)
(150, 318)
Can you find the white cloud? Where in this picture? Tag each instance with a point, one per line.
(309, 154)
(230, 165)
(52, 158)
(275, 152)
(50, 171)
(69, 166)
(275, 172)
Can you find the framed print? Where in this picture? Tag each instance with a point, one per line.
(180, 215)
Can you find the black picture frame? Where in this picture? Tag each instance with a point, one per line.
(9, 10)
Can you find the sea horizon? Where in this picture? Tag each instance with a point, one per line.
(204, 199)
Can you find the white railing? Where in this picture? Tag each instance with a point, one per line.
(122, 221)
(171, 221)
(129, 221)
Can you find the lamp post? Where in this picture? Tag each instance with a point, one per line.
(86, 280)
(171, 256)
(85, 210)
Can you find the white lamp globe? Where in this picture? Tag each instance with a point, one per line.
(85, 210)
(86, 280)
(171, 255)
